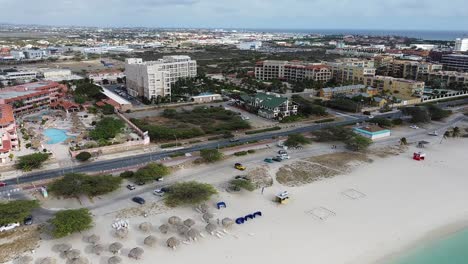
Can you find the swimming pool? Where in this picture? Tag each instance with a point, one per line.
(55, 135)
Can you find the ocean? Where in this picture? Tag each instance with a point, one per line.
(419, 34)
(448, 250)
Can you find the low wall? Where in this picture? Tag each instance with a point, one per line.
(110, 149)
(445, 96)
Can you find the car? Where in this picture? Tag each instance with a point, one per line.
(414, 127)
(158, 192)
(282, 152)
(434, 133)
(277, 159)
(241, 177)
(366, 113)
(138, 200)
(165, 189)
(284, 156)
(28, 220)
(239, 166)
(371, 116)
(233, 140)
(141, 183)
(3, 184)
(268, 160)
(9, 227)
(131, 187)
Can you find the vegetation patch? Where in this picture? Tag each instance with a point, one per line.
(31, 161)
(76, 184)
(263, 130)
(189, 193)
(107, 128)
(16, 211)
(68, 222)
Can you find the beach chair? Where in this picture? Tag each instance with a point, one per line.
(221, 205)
(257, 214)
(240, 220)
(249, 216)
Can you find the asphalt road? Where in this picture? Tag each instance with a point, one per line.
(106, 165)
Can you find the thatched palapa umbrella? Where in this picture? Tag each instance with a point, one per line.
(146, 227)
(72, 253)
(164, 228)
(189, 222)
(136, 253)
(63, 247)
(115, 247)
(79, 260)
(48, 260)
(114, 260)
(121, 233)
(98, 249)
(227, 222)
(204, 208)
(93, 239)
(210, 228)
(207, 217)
(192, 234)
(172, 242)
(182, 229)
(174, 220)
(150, 241)
(24, 260)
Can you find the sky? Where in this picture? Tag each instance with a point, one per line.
(273, 14)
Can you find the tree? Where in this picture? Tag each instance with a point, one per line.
(16, 211)
(151, 172)
(358, 142)
(447, 134)
(83, 156)
(107, 128)
(403, 141)
(211, 155)
(11, 156)
(437, 113)
(238, 184)
(418, 114)
(68, 222)
(127, 174)
(382, 122)
(31, 161)
(295, 140)
(189, 193)
(76, 184)
(108, 109)
(456, 132)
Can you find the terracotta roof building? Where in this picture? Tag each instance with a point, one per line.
(8, 136)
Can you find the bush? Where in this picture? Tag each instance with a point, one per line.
(295, 140)
(108, 109)
(28, 145)
(397, 122)
(107, 128)
(31, 161)
(344, 104)
(189, 193)
(262, 130)
(76, 184)
(327, 120)
(291, 119)
(83, 156)
(170, 145)
(68, 222)
(418, 114)
(251, 151)
(238, 184)
(437, 113)
(332, 134)
(127, 174)
(211, 155)
(240, 153)
(357, 142)
(382, 122)
(16, 211)
(151, 172)
(178, 154)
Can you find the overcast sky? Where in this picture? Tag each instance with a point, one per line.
(300, 14)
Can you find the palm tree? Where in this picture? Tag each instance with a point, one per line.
(456, 132)
(403, 141)
(447, 134)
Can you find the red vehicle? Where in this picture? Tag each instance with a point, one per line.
(3, 184)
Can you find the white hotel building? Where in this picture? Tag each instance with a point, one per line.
(154, 78)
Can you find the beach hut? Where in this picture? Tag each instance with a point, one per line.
(72, 254)
(189, 222)
(79, 260)
(136, 253)
(93, 239)
(146, 227)
(63, 247)
(121, 233)
(282, 197)
(174, 220)
(210, 228)
(207, 217)
(182, 229)
(98, 249)
(150, 241)
(172, 242)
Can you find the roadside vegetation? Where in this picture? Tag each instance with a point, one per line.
(308, 108)
(31, 161)
(76, 184)
(189, 124)
(107, 128)
(83, 156)
(258, 131)
(295, 140)
(352, 140)
(189, 193)
(150, 172)
(68, 222)
(16, 211)
(241, 184)
(424, 114)
(86, 91)
(211, 155)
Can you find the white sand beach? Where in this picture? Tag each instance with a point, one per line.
(397, 202)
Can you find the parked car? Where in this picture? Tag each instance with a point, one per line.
(166, 189)
(138, 200)
(28, 220)
(277, 159)
(282, 152)
(158, 192)
(9, 227)
(268, 160)
(434, 133)
(371, 116)
(241, 177)
(239, 166)
(414, 127)
(284, 156)
(3, 184)
(234, 140)
(141, 183)
(131, 187)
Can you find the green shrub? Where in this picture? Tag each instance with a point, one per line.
(211, 155)
(127, 174)
(83, 156)
(327, 120)
(31, 161)
(76, 184)
(151, 172)
(16, 211)
(189, 193)
(240, 153)
(238, 184)
(262, 130)
(170, 145)
(397, 122)
(178, 154)
(295, 140)
(68, 222)
(107, 128)
(251, 151)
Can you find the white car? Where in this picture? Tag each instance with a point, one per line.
(283, 156)
(158, 192)
(371, 116)
(9, 227)
(414, 127)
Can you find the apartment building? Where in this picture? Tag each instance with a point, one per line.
(461, 44)
(409, 69)
(8, 137)
(351, 70)
(269, 105)
(151, 79)
(448, 77)
(330, 92)
(455, 62)
(291, 71)
(395, 85)
(106, 76)
(31, 97)
(9, 75)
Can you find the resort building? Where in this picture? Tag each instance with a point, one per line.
(106, 77)
(10, 75)
(461, 44)
(372, 131)
(409, 69)
(396, 85)
(455, 62)
(31, 97)
(330, 92)
(291, 71)
(352, 70)
(206, 98)
(151, 79)
(448, 77)
(269, 105)
(115, 100)
(8, 137)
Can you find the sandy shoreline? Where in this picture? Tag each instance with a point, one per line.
(376, 212)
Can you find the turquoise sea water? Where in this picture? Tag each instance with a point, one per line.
(449, 250)
(55, 135)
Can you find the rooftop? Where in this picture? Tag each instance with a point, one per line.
(114, 97)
